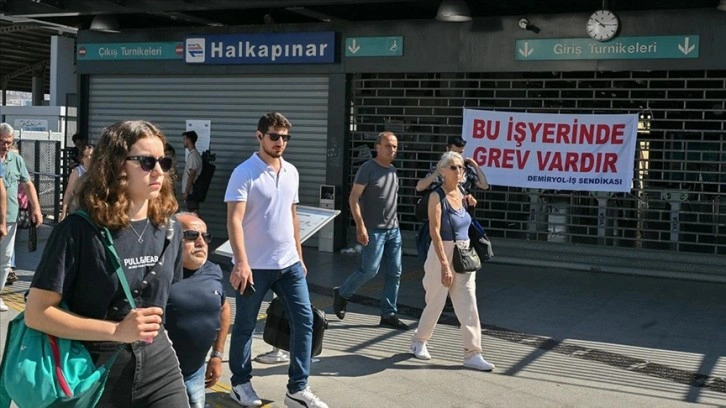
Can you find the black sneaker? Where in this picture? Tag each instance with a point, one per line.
(393, 322)
(339, 303)
(12, 277)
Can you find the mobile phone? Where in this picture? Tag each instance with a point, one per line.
(249, 290)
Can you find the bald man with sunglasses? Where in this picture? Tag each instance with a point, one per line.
(197, 315)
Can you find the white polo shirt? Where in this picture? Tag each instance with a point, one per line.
(267, 224)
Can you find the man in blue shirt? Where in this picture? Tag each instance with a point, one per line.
(197, 316)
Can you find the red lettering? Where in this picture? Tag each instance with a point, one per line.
(556, 163)
(478, 130)
(542, 161)
(618, 134)
(571, 161)
(522, 159)
(602, 134)
(563, 133)
(494, 155)
(548, 132)
(500, 158)
(609, 163)
(587, 162)
(486, 128)
(534, 129)
(480, 156)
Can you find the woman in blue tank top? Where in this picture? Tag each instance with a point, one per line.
(449, 224)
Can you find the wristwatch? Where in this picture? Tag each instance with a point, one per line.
(215, 353)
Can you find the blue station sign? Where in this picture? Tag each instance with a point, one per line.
(261, 48)
(665, 47)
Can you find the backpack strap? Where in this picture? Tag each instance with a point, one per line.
(107, 241)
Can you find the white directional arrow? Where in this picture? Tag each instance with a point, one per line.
(353, 47)
(526, 51)
(685, 49)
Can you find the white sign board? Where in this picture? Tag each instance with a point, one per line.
(204, 133)
(311, 220)
(553, 151)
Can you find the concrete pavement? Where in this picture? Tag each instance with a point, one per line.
(559, 338)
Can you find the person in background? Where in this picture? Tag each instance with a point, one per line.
(74, 157)
(449, 223)
(125, 190)
(15, 175)
(69, 197)
(3, 226)
(264, 233)
(169, 151)
(197, 316)
(192, 170)
(373, 202)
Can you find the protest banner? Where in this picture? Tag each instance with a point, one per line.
(553, 151)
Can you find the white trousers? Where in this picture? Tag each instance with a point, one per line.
(463, 297)
(7, 246)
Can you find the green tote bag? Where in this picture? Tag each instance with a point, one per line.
(39, 370)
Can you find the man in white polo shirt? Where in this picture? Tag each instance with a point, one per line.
(263, 229)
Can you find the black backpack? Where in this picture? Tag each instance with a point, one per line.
(201, 184)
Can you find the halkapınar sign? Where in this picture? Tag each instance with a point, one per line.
(553, 151)
(261, 48)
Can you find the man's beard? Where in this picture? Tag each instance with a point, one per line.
(272, 153)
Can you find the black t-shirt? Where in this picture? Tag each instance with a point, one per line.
(75, 265)
(192, 315)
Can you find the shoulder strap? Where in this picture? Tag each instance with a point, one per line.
(115, 261)
(444, 207)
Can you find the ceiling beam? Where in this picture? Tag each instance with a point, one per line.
(38, 66)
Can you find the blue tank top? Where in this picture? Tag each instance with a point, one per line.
(460, 218)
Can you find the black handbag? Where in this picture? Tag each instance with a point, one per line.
(277, 328)
(464, 260)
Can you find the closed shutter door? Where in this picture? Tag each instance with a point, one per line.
(234, 105)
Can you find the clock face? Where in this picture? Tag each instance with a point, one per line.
(602, 25)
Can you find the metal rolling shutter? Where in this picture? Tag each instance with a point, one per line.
(234, 104)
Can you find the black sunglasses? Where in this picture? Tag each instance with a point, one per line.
(276, 136)
(149, 162)
(456, 168)
(192, 235)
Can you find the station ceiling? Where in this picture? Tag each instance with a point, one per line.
(27, 25)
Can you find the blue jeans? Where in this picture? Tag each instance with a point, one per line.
(291, 287)
(194, 384)
(383, 244)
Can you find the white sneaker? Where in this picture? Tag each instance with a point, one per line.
(3, 306)
(477, 362)
(304, 399)
(419, 350)
(245, 395)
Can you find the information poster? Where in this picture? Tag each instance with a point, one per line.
(311, 220)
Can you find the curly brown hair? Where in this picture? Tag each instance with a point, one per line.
(103, 194)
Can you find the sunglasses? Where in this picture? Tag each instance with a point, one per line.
(192, 235)
(456, 168)
(276, 136)
(149, 162)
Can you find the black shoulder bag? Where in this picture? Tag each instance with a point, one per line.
(465, 260)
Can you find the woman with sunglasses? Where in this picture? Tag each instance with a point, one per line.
(127, 191)
(449, 223)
